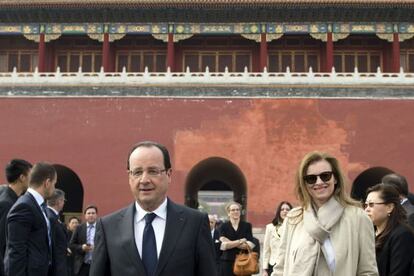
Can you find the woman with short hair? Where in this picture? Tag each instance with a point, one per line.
(235, 235)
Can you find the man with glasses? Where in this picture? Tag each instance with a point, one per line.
(153, 235)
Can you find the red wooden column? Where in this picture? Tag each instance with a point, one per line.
(106, 53)
(263, 52)
(170, 52)
(396, 54)
(42, 53)
(329, 52)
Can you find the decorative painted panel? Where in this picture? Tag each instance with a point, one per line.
(19, 28)
(365, 28)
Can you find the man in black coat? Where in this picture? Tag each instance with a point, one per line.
(28, 247)
(152, 236)
(17, 174)
(59, 234)
(82, 242)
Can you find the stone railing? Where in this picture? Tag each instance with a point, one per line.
(210, 78)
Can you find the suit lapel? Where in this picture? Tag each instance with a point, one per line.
(126, 227)
(37, 207)
(173, 229)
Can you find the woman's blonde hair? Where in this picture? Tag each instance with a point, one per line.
(228, 205)
(339, 191)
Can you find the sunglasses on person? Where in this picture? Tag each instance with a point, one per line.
(312, 178)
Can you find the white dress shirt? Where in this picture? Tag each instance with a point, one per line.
(39, 199)
(158, 224)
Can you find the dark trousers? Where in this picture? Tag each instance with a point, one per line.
(84, 270)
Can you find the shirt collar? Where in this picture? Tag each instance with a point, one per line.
(403, 200)
(54, 211)
(39, 198)
(161, 211)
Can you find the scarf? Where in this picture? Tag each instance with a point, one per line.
(318, 226)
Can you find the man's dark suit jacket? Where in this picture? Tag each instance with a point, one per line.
(187, 248)
(396, 256)
(59, 244)
(27, 252)
(75, 245)
(217, 244)
(7, 198)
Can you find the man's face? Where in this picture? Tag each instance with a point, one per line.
(24, 178)
(212, 222)
(50, 186)
(91, 215)
(60, 204)
(148, 179)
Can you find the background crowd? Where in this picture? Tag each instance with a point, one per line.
(327, 233)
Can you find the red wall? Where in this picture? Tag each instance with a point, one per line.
(266, 138)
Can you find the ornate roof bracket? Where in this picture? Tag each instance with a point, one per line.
(339, 36)
(387, 37)
(319, 36)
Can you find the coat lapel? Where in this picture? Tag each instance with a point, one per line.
(37, 207)
(126, 227)
(173, 229)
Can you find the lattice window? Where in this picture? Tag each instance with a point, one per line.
(136, 61)
(298, 61)
(346, 61)
(23, 60)
(217, 61)
(70, 61)
(407, 60)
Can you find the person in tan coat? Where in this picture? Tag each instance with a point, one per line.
(272, 238)
(329, 234)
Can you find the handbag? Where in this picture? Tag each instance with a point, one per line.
(246, 262)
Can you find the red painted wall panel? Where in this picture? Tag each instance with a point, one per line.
(266, 138)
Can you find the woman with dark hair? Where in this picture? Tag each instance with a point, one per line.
(394, 241)
(272, 237)
(235, 235)
(329, 233)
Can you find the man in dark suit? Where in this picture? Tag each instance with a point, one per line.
(215, 235)
(59, 234)
(153, 236)
(82, 242)
(28, 251)
(17, 174)
(401, 185)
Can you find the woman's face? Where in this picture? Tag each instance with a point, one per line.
(376, 209)
(284, 210)
(73, 223)
(234, 211)
(321, 190)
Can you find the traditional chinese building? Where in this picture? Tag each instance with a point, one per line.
(225, 137)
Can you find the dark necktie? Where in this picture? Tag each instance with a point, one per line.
(149, 246)
(49, 236)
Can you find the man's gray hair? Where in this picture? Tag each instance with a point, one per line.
(57, 194)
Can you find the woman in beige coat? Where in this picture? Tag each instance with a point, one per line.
(272, 237)
(329, 234)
